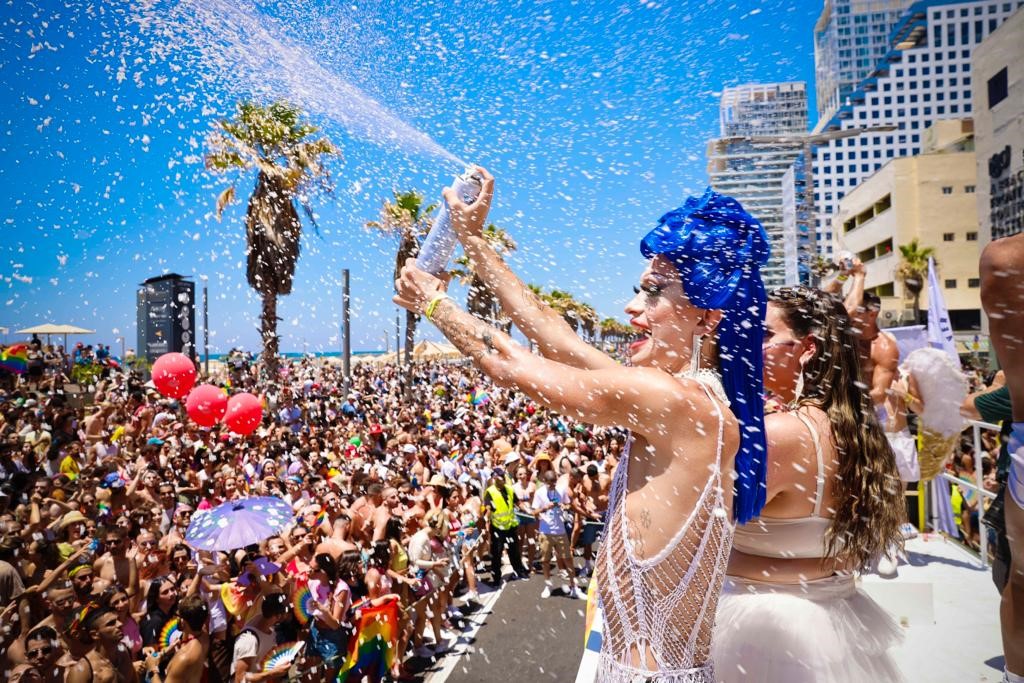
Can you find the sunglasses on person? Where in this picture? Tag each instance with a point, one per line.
(39, 652)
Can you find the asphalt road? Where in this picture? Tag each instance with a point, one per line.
(516, 636)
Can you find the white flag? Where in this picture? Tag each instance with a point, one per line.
(940, 332)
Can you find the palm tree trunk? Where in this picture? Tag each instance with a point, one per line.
(410, 339)
(917, 308)
(268, 332)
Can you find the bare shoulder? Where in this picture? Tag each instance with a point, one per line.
(885, 348)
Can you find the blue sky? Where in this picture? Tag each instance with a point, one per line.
(592, 116)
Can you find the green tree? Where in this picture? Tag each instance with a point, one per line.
(407, 220)
(479, 300)
(913, 271)
(289, 164)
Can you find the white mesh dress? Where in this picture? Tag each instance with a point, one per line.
(662, 609)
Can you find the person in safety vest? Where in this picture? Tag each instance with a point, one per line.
(499, 502)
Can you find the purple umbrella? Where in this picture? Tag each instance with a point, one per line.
(238, 523)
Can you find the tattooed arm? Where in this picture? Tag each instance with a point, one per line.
(647, 400)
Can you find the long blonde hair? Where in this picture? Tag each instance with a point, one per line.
(868, 492)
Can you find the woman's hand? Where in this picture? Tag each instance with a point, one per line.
(469, 219)
(416, 287)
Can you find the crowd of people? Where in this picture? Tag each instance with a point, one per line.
(390, 497)
(768, 452)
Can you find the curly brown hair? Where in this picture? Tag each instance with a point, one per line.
(869, 505)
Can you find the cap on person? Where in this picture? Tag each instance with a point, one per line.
(409, 448)
(510, 458)
(112, 481)
(541, 457)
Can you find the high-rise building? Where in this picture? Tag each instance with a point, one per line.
(762, 126)
(998, 81)
(924, 77)
(763, 109)
(850, 37)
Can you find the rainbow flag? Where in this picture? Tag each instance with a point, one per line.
(372, 651)
(15, 359)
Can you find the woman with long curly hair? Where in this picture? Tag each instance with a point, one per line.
(790, 610)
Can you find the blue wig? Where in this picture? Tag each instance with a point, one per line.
(719, 249)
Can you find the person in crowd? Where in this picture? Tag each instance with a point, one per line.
(257, 639)
(107, 660)
(550, 505)
(791, 607)
(1002, 296)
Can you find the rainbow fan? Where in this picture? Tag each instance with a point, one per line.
(170, 633)
(303, 604)
(282, 654)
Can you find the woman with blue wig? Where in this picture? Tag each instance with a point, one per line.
(692, 399)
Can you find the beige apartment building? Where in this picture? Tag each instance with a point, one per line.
(931, 197)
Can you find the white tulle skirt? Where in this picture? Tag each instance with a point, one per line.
(822, 631)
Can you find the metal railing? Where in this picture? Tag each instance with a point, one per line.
(978, 486)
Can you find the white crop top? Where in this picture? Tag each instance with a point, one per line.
(796, 538)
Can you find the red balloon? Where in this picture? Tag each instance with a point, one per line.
(173, 375)
(244, 413)
(206, 404)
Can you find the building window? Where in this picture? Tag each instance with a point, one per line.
(972, 237)
(997, 88)
(947, 190)
(950, 284)
(948, 236)
(969, 189)
(974, 282)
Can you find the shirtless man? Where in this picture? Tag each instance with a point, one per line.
(115, 566)
(338, 543)
(96, 424)
(43, 653)
(879, 354)
(1002, 296)
(108, 661)
(59, 600)
(364, 511)
(189, 660)
(391, 507)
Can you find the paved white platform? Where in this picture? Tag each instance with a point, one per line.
(949, 608)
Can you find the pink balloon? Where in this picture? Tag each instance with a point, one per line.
(173, 375)
(244, 413)
(206, 404)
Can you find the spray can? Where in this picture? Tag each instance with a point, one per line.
(438, 247)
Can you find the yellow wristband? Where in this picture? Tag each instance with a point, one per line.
(432, 305)
(843, 277)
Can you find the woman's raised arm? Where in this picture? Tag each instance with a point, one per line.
(643, 399)
(541, 324)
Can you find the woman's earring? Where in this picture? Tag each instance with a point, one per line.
(799, 386)
(698, 341)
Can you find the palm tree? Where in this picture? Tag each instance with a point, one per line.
(588, 319)
(913, 270)
(407, 219)
(288, 161)
(479, 300)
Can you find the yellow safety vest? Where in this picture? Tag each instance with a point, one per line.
(504, 515)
